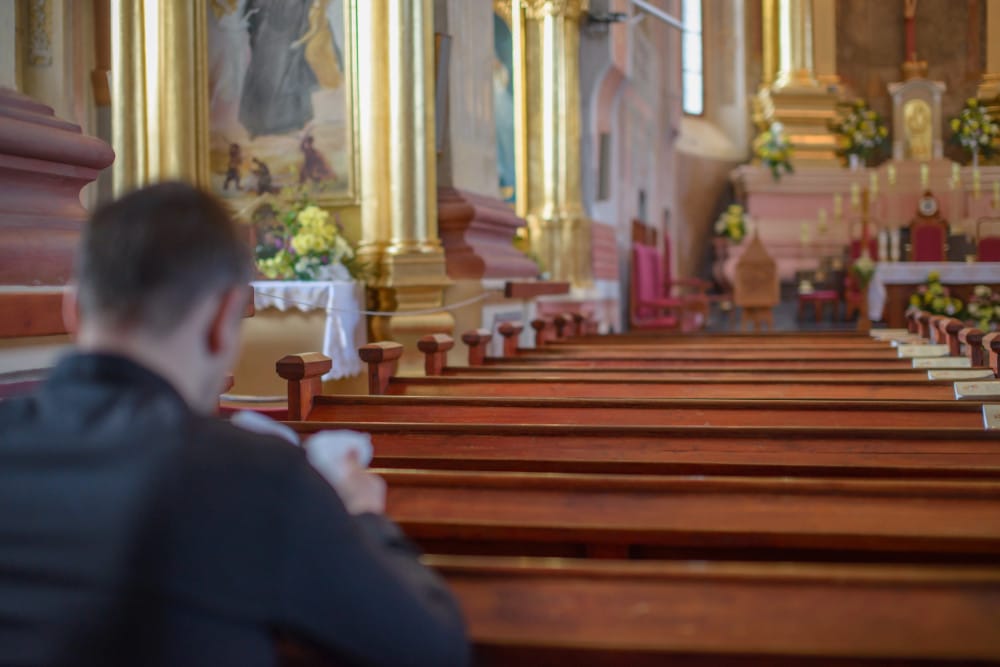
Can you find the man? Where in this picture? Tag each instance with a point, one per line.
(135, 529)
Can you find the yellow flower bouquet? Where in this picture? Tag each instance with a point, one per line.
(732, 223)
(975, 129)
(774, 151)
(860, 131)
(297, 240)
(936, 298)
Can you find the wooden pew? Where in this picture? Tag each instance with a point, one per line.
(778, 451)
(662, 517)
(567, 612)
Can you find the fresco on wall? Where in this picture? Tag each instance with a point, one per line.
(281, 105)
(503, 106)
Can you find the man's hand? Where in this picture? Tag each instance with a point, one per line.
(360, 490)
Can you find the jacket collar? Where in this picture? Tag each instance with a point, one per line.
(112, 370)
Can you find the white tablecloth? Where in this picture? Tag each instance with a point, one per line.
(345, 328)
(915, 273)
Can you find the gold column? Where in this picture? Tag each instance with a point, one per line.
(796, 98)
(825, 41)
(560, 232)
(795, 44)
(398, 183)
(989, 87)
(769, 24)
(159, 94)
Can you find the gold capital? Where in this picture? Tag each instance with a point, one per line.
(539, 9)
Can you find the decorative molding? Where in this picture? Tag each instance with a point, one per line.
(477, 234)
(504, 9)
(570, 9)
(40, 33)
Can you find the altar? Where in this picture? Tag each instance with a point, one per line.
(890, 288)
(299, 316)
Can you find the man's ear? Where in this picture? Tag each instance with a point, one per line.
(70, 309)
(228, 310)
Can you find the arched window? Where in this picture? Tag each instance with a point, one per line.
(692, 65)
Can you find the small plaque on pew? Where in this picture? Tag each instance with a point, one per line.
(882, 334)
(952, 375)
(909, 340)
(912, 351)
(977, 390)
(943, 362)
(991, 417)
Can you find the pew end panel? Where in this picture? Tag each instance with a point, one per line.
(991, 345)
(477, 341)
(972, 339)
(435, 348)
(541, 327)
(949, 329)
(382, 359)
(511, 332)
(304, 373)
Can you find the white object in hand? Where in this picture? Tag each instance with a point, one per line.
(327, 451)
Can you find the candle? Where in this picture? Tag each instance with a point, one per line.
(873, 184)
(838, 205)
(806, 233)
(891, 174)
(821, 223)
(954, 172)
(925, 176)
(855, 195)
(976, 190)
(996, 193)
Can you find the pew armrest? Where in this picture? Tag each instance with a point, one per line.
(511, 332)
(381, 359)
(304, 373)
(477, 340)
(991, 345)
(435, 348)
(540, 325)
(950, 328)
(973, 341)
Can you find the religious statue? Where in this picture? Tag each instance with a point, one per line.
(919, 134)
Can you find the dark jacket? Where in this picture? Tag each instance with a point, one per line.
(134, 532)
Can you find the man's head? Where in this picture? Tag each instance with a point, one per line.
(161, 277)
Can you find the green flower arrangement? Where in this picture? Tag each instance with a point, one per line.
(732, 224)
(772, 148)
(936, 298)
(863, 269)
(983, 309)
(297, 240)
(974, 129)
(860, 131)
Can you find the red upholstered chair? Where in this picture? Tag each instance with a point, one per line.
(928, 240)
(988, 235)
(650, 308)
(654, 303)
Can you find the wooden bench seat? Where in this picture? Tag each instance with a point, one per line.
(844, 414)
(590, 613)
(641, 516)
(818, 451)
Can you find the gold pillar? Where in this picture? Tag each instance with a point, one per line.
(795, 44)
(989, 87)
(159, 94)
(796, 98)
(769, 24)
(398, 183)
(825, 42)
(560, 232)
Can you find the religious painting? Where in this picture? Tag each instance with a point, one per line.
(282, 99)
(503, 106)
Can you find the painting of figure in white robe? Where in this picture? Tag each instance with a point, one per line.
(281, 104)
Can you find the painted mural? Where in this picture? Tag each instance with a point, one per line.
(281, 106)
(503, 106)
